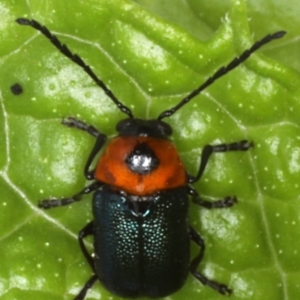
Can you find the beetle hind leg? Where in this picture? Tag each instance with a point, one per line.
(219, 287)
(86, 287)
(84, 232)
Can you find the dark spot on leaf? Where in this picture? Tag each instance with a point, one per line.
(16, 89)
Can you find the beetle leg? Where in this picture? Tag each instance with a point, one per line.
(219, 287)
(49, 203)
(222, 203)
(73, 122)
(208, 150)
(89, 174)
(84, 232)
(86, 287)
(100, 141)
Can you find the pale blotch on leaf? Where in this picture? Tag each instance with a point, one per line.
(140, 45)
(247, 79)
(279, 175)
(273, 143)
(4, 20)
(266, 88)
(194, 124)
(34, 138)
(242, 289)
(294, 162)
(62, 168)
(65, 81)
(217, 168)
(17, 281)
(221, 224)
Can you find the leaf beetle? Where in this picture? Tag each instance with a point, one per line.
(141, 196)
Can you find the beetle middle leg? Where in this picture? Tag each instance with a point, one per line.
(219, 287)
(222, 203)
(84, 232)
(50, 203)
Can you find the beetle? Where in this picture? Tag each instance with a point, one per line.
(141, 196)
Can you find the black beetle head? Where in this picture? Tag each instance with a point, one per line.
(139, 127)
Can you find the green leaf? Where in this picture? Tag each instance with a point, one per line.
(152, 54)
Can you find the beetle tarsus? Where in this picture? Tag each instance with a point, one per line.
(51, 203)
(242, 145)
(75, 123)
(219, 287)
(228, 201)
(86, 287)
(222, 203)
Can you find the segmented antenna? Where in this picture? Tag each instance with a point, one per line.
(221, 72)
(76, 59)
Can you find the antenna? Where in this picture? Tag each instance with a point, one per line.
(222, 71)
(76, 59)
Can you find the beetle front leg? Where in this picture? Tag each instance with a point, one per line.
(219, 287)
(86, 231)
(208, 150)
(100, 141)
(50, 203)
(222, 203)
(73, 122)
